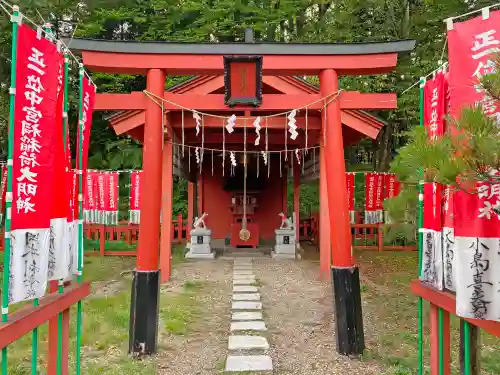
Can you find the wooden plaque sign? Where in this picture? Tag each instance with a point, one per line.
(243, 80)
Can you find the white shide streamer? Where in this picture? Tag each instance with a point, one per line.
(257, 126)
(231, 123)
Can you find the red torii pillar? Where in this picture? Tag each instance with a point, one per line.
(190, 212)
(296, 199)
(325, 247)
(146, 281)
(166, 214)
(345, 274)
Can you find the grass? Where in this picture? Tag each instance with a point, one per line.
(105, 329)
(386, 280)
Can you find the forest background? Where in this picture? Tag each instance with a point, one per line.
(310, 21)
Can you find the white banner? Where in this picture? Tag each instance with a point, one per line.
(478, 287)
(28, 264)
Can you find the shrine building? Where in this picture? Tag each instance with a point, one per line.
(236, 131)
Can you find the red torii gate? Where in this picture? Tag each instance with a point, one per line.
(155, 60)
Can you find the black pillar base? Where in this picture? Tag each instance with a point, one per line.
(348, 314)
(144, 309)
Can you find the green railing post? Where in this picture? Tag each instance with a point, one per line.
(80, 221)
(420, 244)
(15, 20)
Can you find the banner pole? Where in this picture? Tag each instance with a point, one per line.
(61, 282)
(80, 224)
(420, 220)
(15, 19)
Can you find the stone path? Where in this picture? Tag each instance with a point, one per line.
(248, 348)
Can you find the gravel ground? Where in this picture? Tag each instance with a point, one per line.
(204, 349)
(298, 309)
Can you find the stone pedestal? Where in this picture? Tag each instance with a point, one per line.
(200, 244)
(285, 244)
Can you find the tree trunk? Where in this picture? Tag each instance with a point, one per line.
(384, 148)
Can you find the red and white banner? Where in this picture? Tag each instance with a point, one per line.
(34, 136)
(112, 206)
(477, 233)
(391, 189)
(435, 105)
(435, 94)
(349, 178)
(373, 197)
(102, 193)
(85, 123)
(432, 252)
(58, 254)
(473, 46)
(3, 190)
(135, 197)
(449, 257)
(89, 202)
(472, 49)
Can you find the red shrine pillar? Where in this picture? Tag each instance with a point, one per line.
(190, 212)
(166, 214)
(284, 181)
(199, 190)
(325, 247)
(296, 199)
(145, 285)
(345, 274)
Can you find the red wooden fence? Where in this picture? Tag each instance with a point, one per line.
(365, 236)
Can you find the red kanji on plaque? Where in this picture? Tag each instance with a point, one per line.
(243, 80)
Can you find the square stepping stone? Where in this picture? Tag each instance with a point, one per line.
(242, 277)
(247, 343)
(243, 272)
(238, 363)
(246, 281)
(246, 315)
(250, 325)
(246, 305)
(246, 297)
(245, 289)
(242, 268)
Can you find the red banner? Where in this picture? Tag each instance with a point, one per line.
(73, 202)
(102, 191)
(371, 180)
(472, 49)
(88, 199)
(478, 215)
(86, 120)
(391, 186)
(435, 105)
(379, 191)
(349, 177)
(135, 190)
(34, 130)
(60, 191)
(432, 206)
(4, 187)
(112, 187)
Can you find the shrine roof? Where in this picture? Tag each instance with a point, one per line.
(268, 48)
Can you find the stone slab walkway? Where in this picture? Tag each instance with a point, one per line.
(248, 349)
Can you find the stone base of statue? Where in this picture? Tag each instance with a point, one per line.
(199, 247)
(285, 247)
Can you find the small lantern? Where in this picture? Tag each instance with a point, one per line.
(243, 80)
